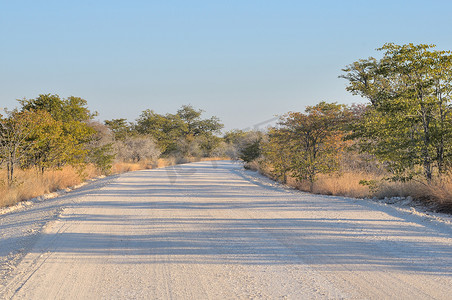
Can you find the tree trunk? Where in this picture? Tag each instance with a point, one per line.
(8, 173)
(427, 143)
(311, 185)
(12, 173)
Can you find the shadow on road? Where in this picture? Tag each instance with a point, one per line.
(216, 216)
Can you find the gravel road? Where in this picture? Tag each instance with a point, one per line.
(211, 230)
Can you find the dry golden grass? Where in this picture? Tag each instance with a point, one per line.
(122, 167)
(30, 183)
(442, 193)
(345, 184)
(437, 193)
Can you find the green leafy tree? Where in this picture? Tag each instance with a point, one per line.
(101, 147)
(277, 153)
(180, 132)
(408, 124)
(195, 125)
(199, 135)
(70, 109)
(234, 136)
(16, 129)
(314, 139)
(208, 144)
(48, 146)
(70, 147)
(165, 129)
(251, 151)
(120, 128)
(237, 140)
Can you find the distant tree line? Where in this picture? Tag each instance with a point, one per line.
(184, 133)
(50, 132)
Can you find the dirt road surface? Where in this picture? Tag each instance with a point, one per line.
(211, 230)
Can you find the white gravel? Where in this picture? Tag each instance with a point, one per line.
(211, 230)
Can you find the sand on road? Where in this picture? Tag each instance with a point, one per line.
(211, 230)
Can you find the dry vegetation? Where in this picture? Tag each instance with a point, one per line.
(30, 183)
(437, 194)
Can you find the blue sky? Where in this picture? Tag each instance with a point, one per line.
(243, 61)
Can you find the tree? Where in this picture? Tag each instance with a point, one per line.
(100, 148)
(185, 128)
(164, 129)
(70, 109)
(314, 140)
(197, 126)
(120, 128)
(16, 131)
(277, 153)
(48, 145)
(234, 136)
(137, 148)
(238, 140)
(408, 124)
(70, 146)
(251, 151)
(208, 143)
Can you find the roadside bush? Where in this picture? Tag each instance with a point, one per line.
(100, 148)
(251, 151)
(136, 149)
